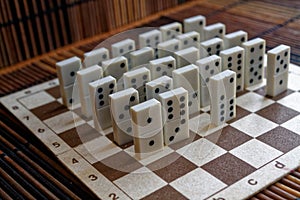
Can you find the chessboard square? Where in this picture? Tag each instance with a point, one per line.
(277, 113)
(291, 101)
(293, 124)
(256, 153)
(228, 168)
(254, 125)
(167, 193)
(201, 151)
(293, 82)
(171, 167)
(55, 92)
(117, 165)
(280, 138)
(49, 110)
(63, 122)
(228, 138)
(198, 184)
(97, 149)
(253, 101)
(140, 183)
(79, 135)
(36, 100)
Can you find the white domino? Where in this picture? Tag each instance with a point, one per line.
(150, 39)
(115, 67)
(188, 78)
(211, 47)
(175, 114)
(277, 69)
(190, 39)
(120, 103)
(196, 23)
(141, 57)
(95, 57)
(170, 31)
(187, 56)
(85, 76)
(223, 99)
(99, 94)
(157, 86)
(207, 67)
(214, 30)
(123, 47)
(162, 67)
(137, 79)
(254, 61)
(233, 59)
(168, 48)
(147, 127)
(235, 39)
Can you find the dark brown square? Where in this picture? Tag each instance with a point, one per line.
(277, 113)
(280, 138)
(54, 92)
(110, 136)
(49, 110)
(262, 91)
(193, 137)
(240, 113)
(229, 138)
(79, 135)
(171, 167)
(228, 168)
(117, 165)
(165, 193)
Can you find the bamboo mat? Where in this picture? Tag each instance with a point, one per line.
(277, 22)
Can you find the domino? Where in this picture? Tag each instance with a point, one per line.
(167, 48)
(147, 127)
(170, 31)
(137, 79)
(151, 39)
(141, 57)
(120, 104)
(95, 57)
(175, 114)
(85, 76)
(187, 56)
(162, 67)
(214, 30)
(190, 39)
(207, 67)
(211, 47)
(70, 95)
(123, 47)
(254, 60)
(223, 100)
(188, 78)
(158, 86)
(99, 95)
(233, 59)
(235, 39)
(277, 69)
(195, 23)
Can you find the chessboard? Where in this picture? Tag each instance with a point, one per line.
(232, 161)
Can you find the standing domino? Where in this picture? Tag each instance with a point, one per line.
(207, 67)
(233, 59)
(147, 127)
(99, 94)
(254, 61)
(66, 72)
(120, 103)
(196, 23)
(157, 86)
(95, 57)
(277, 69)
(162, 67)
(150, 39)
(187, 56)
(141, 57)
(190, 39)
(223, 99)
(211, 47)
(175, 115)
(85, 76)
(170, 31)
(235, 39)
(188, 78)
(167, 48)
(214, 30)
(123, 47)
